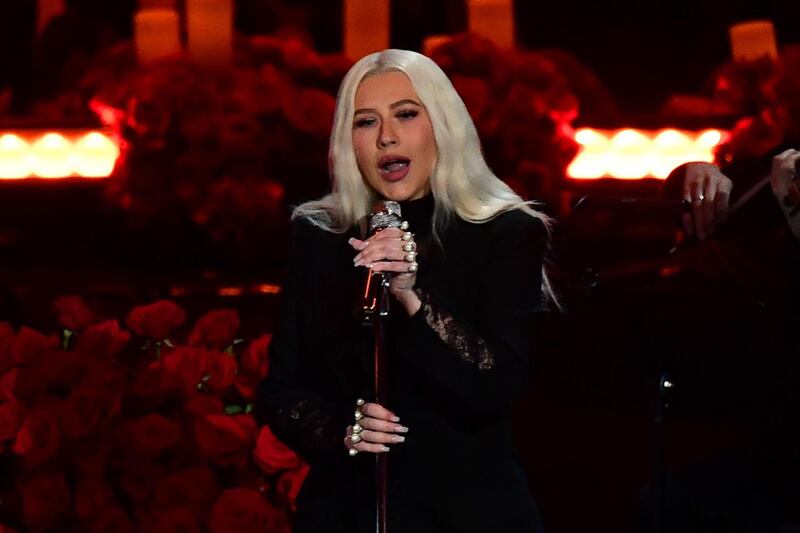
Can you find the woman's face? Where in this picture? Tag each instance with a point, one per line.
(393, 137)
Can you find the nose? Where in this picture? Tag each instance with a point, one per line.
(387, 137)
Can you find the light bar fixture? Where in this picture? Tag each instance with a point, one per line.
(636, 154)
(57, 154)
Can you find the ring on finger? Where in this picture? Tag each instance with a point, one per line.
(408, 247)
(700, 197)
(407, 236)
(413, 267)
(409, 257)
(355, 438)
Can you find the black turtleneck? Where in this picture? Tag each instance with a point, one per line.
(454, 370)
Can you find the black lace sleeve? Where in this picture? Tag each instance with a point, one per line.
(483, 363)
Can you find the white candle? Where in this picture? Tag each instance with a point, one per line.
(493, 19)
(209, 28)
(366, 27)
(47, 10)
(156, 34)
(753, 39)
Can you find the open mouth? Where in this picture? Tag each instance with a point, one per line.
(390, 165)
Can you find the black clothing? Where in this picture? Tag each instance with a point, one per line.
(454, 369)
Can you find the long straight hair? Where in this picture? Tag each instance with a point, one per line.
(461, 182)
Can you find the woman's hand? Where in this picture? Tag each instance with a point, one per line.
(392, 250)
(706, 192)
(379, 427)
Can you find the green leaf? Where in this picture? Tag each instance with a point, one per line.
(249, 408)
(233, 410)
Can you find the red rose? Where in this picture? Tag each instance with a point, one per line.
(30, 345)
(194, 487)
(149, 435)
(91, 458)
(290, 483)
(92, 495)
(254, 366)
(224, 439)
(112, 519)
(243, 511)
(73, 313)
(6, 346)
(45, 498)
(8, 385)
(156, 320)
(38, 438)
(175, 520)
(205, 404)
(200, 368)
(62, 370)
(86, 408)
(153, 384)
(138, 480)
(103, 340)
(11, 416)
(309, 111)
(215, 329)
(272, 455)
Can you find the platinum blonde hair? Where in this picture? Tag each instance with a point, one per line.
(461, 183)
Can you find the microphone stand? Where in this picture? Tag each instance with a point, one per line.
(375, 309)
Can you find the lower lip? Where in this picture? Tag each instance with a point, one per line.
(397, 175)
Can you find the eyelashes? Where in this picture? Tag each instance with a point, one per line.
(407, 114)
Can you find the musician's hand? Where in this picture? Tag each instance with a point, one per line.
(784, 169)
(707, 191)
(389, 251)
(379, 428)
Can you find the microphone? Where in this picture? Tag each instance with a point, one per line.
(384, 214)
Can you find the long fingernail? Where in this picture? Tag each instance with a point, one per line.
(385, 449)
(398, 438)
(395, 419)
(401, 429)
(357, 258)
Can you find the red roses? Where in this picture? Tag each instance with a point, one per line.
(124, 430)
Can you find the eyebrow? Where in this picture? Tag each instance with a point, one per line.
(393, 106)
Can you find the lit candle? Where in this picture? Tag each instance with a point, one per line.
(753, 39)
(156, 34)
(47, 10)
(366, 27)
(209, 27)
(493, 19)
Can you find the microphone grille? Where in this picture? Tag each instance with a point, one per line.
(385, 214)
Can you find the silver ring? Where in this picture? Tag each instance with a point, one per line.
(408, 247)
(355, 438)
(357, 428)
(353, 452)
(404, 225)
(413, 267)
(360, 402)
(359, 415)
(407, 236)
(701, 197)
(409, 257)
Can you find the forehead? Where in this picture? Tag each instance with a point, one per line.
(385, 89)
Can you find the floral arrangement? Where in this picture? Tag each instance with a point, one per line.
(112, 428)
(524, 104)
(760, 98)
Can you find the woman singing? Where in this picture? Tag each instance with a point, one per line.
(466, 281)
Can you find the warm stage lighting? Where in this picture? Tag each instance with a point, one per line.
(53, 155)
(635, 154)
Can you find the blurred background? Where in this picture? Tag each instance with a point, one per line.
(153, 149)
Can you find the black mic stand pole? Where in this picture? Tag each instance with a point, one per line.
(375, 311)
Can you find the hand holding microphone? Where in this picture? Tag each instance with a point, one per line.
(391, 248)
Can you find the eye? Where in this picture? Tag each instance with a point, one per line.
(407, 114)
(363, 122)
